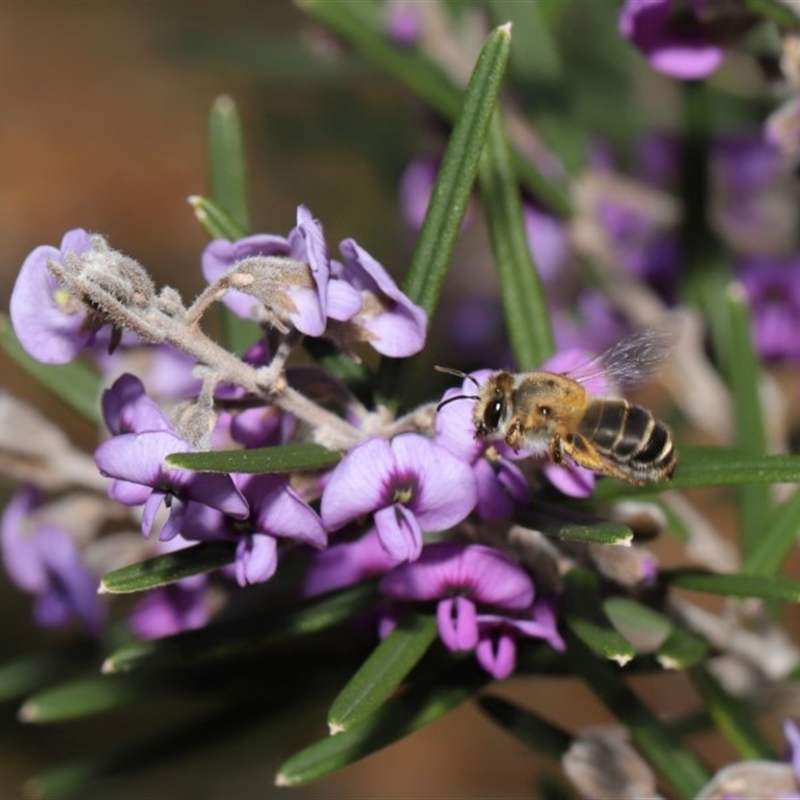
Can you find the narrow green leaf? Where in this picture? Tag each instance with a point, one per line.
(382, 673)
(75, 384)
(22, 676)
(777, 11)
(528, 727)
(682, 649)
(644, 627)
(526, 311)
(226, 160)
(744, 378)
(243, 637)
(411, 710)
(737, 585)
(732, 716)
(713, 466)
(217, 223)
(80, 698)
(585, 616)
(168, 568)
(778, 539)
(360, 24)
(654, 740)
(535, 54)
(284, 458)
(573, 526)
(451, 191)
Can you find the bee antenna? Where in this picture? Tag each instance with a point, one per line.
(459, 374)
(457, 397)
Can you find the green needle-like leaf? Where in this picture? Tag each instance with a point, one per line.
(778, 539)
(80, 698)
(529, 728)
(168, 568)
(284, 458)
(713, 466)
(75, 384)
(22, 676)
(767, 588)
(732, 716)
(363, 26)
(573, 526)
(654, 740)
(642, 625)
(217, 222)
(226, 160)
(682, 649)
(585, 616)
(453, 186)
(526, 312)
(242, 637)
(411, 710)
(382, 673)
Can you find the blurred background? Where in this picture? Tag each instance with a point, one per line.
(104, 127)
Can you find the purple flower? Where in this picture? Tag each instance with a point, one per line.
(496, 650)
(675, 36)
(128, 409)
(410, 485)
(347, 563)
(403, 24)
(387, 319)
(773, 290)
(276, 512)
(355, 300)
(138, 458)
(44, 560)
(51, 325)
(484, 601)
(167, 610)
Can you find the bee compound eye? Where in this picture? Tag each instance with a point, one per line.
(545, 411)
(493, 413)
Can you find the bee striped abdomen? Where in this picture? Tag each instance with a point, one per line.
(631, 437)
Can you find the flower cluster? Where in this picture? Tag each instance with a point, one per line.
(402, 503)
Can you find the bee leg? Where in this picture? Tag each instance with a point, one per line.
(557, 450)
(584, 454)
(514, 436)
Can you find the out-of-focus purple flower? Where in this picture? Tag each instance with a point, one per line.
(593, 324)
(791, 732)
(167, 610)
(44, 560)
(347, 563)
(411, 485)
(484, 601)
(773, 290)
(138, 458)
(754, 197)
(403, 23)
(387, 320)
(276, 512)
(51, 325)
(549, 244)
(676, 36)
(499, 483)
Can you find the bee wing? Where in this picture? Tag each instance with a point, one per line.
(630, 360)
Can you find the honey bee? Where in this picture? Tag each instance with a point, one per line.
(554, 414)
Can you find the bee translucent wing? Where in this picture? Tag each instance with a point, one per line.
(630, 360)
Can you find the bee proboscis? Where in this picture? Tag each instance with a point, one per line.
(554, 414)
